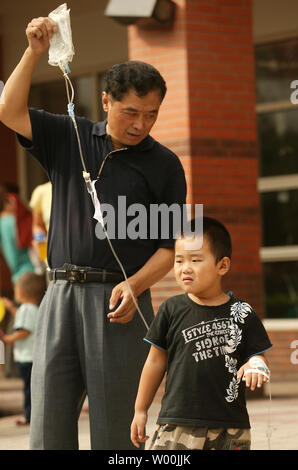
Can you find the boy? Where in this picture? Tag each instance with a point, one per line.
(28, 291)
(203, 339)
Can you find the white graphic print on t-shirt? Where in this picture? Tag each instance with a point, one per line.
(210, 338)
(239, 311)
(220, 337)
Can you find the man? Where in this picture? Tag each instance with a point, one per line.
(89, 339)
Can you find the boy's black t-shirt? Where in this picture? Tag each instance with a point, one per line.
(206, 346)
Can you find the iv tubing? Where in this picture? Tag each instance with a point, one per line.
(72, 115)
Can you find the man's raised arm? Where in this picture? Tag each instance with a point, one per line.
(14, 108)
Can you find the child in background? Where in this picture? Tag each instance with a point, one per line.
(209, 344)
(28, 291)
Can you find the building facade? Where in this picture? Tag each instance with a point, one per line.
(229, 114)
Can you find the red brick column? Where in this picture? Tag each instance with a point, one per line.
(208, 118)
(166, 49)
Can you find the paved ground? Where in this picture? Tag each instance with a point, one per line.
(281, 413)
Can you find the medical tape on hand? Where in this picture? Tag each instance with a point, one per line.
(257, 366)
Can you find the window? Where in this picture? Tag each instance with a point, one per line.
(276, 68)
(281, 281)
(278, 142)
(280, 217)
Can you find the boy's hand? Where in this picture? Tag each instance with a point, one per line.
(8, 304)
(252, 379)
(137, 429)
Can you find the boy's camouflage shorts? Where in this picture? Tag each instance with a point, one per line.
(172, 437)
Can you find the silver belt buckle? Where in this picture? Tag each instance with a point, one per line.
(72, 276)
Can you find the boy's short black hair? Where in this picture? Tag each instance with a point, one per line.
(218, 236)
(133, 75)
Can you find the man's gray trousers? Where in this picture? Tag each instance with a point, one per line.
(78, 351)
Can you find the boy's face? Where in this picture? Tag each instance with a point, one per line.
(196, 270)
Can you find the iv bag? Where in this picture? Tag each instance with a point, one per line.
(61, 49)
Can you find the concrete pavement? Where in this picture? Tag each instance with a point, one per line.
(281, 414)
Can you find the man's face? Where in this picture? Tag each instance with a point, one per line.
(131, 119)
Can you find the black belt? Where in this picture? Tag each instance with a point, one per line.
(82, 275)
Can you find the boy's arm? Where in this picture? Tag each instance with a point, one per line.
(10, 305)
(254, 379)
(152, 375)
(10, 339)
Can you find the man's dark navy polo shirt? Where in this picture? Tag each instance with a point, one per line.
(147, 173)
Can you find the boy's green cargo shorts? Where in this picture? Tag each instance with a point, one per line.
(172, 437)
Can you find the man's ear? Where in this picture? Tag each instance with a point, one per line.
(105, 99)
(224, 265)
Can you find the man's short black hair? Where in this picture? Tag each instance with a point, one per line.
(217, 234)
(133, 75)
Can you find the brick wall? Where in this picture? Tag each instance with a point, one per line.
(166, 49)
(283, 356)
(208, 119)
(223, 131)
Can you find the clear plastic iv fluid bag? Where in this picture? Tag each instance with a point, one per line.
(61, 49)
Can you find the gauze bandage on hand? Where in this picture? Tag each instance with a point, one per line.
(61, 49)
(257, 366)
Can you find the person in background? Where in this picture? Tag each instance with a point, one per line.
(15, 245)
(40, 203)
(28, 291)
(15, 218)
